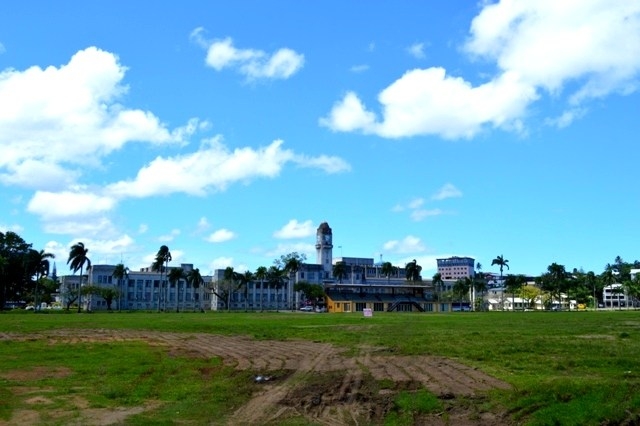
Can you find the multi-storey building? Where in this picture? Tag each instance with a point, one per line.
(455, 268)
(138, 290)
(362, 285)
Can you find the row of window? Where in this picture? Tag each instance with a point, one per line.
(131, 296)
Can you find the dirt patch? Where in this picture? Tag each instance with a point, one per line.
(312, 380)
(36, 373)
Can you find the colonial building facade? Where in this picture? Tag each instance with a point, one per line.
(138, 290)
(361, 285)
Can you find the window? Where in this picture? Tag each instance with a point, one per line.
(360, 306)
(347, 307)
(378, 306)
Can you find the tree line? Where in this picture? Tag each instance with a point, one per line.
(25, 276)
(584, 287)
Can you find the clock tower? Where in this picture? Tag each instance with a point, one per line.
(324, 248)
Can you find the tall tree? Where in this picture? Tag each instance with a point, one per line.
(501, 262)
(480, 285)
(633, 290)
(4, 264)
(388, 270)
(292, 263)
(41, 264)
(460, 288)
(197, 282)
(608, 278)
(590, 281)
(77, 260)
(513, 285)
(15, 282)
(413, 271)
(339, 271)
(437, 282)
(261, 275)
(244, 281)
(161, 264)
(233, 281)
(554, 281)
(174, 277)
(120, 272)
(276, 277)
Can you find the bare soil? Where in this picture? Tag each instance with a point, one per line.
(315, 381)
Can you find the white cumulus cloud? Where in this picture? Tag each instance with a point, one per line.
(588, 49)
(221, 235)
(409, 244)
(213, 168)
(416, 50)
(56, 120)
(448, 190)
(69, 204)
(253, 63)
(295, 229)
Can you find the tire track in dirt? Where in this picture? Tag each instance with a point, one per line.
(298, 362)
(264, 407)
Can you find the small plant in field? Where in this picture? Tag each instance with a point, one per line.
(408, 404)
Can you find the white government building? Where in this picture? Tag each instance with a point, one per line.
(141, 290)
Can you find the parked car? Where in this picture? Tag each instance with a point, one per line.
(307, 309)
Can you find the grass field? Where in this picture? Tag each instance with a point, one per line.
(561, 367)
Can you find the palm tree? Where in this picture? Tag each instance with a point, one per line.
(413, 271)
(276, 277)
(261, 275)
(119, 273)
(41, 259)
(292, 266)
(244, 281)
(437, 282)
(161, 264)
(590, 280)
(557, 275)
(388, 270)
(195, 279)
(175, 276)
(4, 263)
(513, 284)
(633, 290)
(608, 279)
(77, 259)
(502, 262)
(479, 283)
(339, 271)
(230, 278)
(461, 287)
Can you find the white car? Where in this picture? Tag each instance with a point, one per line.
(307, 309)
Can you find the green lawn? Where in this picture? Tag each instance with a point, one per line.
(565, 367)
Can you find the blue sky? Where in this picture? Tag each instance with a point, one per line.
(230, 130)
